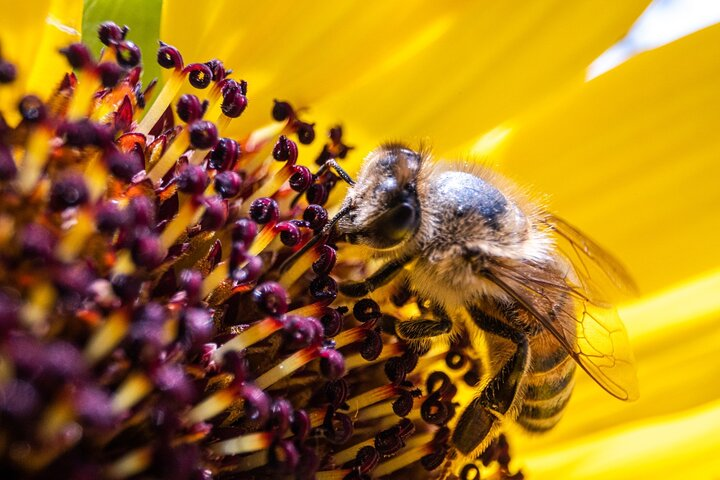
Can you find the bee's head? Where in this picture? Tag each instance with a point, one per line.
(383, 208)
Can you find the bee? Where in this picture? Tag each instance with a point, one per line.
(478, 251)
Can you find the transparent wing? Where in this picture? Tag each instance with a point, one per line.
(573, 307)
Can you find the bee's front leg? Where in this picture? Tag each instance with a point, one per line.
(479, 423)
(383, 275)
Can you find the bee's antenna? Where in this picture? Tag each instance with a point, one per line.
(324, 233)
(332, 163)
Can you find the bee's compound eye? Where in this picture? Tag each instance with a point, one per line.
(399, 221)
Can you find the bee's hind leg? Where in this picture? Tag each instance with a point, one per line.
(479, 422)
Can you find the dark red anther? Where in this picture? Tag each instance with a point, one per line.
(405, 428)
(438, 382)
(410, 361)
(142, 211)
(338, 427)
(147, 330)
(127, 287)
(32, 109)
(192, 180)
(442, 436)
(264, 210)
(367, 458)
(317, 193)
(78, 56)
(78, 134)
(228, 183)
(306, 132)
(244, 231)
(301, 178)
(271, 298)
(434, 410)
(289, 233)
(128, 54)
(470, 472)
(395, 370)
(68, 191)
(199, 75)
(389, 442)
(257, 403)
(335, 134)
(316, 216)
(148, 251)
(282, 111)
(124, 115)
(169, 57)
(403, 404)
(285, 150)
(191, 281)
(300, 425)
(300, 332)
(110, 32)
(224, 155)
(196, 327)
(280, 412)
(189, 108)
(433, 460)
(371, 346)
(203, 134)
(110, 73)
(234, 101)
(366, 310)
(284, 456)
(124, 166)
(216, 213)
(250, 272)
(309, 462)
(8, 169)
(332, 322)
(217, 68)
(332, 363)
(323, 288)
(455, 359)
(8, 72)
(326, 260)
(336, 392)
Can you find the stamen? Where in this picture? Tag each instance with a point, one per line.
(344, 456)
(403, 460)
(170, 157)
(35, 311)
(188, 215)
(135, 387)
(263, 239)
(350, 336)
(287, 366)
(251, 442)
(356, 360)
(131, 463)
(290, 276)
(164, 98)
(75, 239)
(215, 278)
(332, 474)
(255, 333)
(35, 158)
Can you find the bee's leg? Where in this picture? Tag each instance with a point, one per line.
(419, 328)
(376, 280)
(479, 422)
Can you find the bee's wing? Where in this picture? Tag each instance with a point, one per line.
(597, 340)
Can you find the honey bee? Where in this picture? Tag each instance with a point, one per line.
(478, 252)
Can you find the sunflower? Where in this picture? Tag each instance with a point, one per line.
(630, 157)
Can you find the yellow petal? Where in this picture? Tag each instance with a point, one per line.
(448, 70)
(633, 159)
(30, 38)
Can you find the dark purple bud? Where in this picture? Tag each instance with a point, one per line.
(224, 155)
(395, 370)
(438, 382)
(147, 331)
(79, 134)
(110, 74)
(282, 111)
(37, 241)
(434, 410)
(366, 310)
(325, 263)
(244, 231)
(317, 193)
(8, 169)
(372, 346)
(110, 32)
(189, 108)
(285, 150)
(338, 427)
(234, 101)
(192, 179)
(171, 380)
(8, 72)
(367, 458)
(142, 211)
(169, 57)
(9, 308)
(147, 251)
(323, 288)
(125, 166)
(264, 210)
(300, 425)
(216, 213)
(284, 456)
(196, 327)
(316, 216)
(306, 132)
(228, 183)
(32, 109)
(78, 56)
(74, 279)
(127, 287)
(191, 282)
(199, 75)
(336, 392)
(455, 359)
(128, 54)
(388, 442)
(271, 298)
(94, 407)
(289, 233)
(257, 403)
(433, 460)
(280, 413)
(203, 134)
(403, 404)
(301, 332)
(332, 322)
(301, 178)
(332, 363)
(62, 361)
(18, 400)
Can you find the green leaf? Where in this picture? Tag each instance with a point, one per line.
(141, 16)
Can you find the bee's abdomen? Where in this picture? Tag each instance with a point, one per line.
(549, 385)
